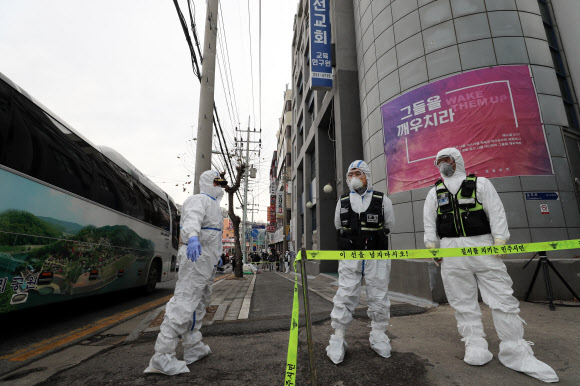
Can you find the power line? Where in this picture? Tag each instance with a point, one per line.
(198, 74)
(260, 64)
(227, 61)
(189, 43)
(194, 27)
(251, 62)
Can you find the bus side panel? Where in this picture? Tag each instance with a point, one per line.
(55, 246)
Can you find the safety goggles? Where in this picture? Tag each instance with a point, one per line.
(219, 181)
(444, 158)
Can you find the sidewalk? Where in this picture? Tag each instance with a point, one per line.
(252, 349)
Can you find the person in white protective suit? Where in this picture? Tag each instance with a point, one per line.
(363, 219)
(201, 228)
(466, 211)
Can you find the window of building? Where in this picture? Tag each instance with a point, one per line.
(313, 165)
(565, 89)
(313, 218)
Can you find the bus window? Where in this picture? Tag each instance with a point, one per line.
(175, 226)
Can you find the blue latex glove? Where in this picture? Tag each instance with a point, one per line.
(193, 248)
(220, 262)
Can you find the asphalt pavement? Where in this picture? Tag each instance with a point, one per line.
(252, 348)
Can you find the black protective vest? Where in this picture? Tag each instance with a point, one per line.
(460, 215)
(364, 231)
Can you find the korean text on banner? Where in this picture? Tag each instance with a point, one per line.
(490, 115)
(320, 59)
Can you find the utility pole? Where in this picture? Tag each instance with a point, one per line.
(247, 162)
(206, 94)
(251, 235)
(246, 192)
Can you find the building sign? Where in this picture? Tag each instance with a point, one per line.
(271, 228)
(542, 196)
(320, 60)
(279, 204)
(490, 115)
(272, 215)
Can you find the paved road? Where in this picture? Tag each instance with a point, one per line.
(427, 349)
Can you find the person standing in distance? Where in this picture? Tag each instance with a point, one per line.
(363, 219)
(466, 211)
(201, 226)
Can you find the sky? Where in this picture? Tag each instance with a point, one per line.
(119, 72)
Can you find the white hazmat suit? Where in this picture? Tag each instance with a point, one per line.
(351, 272)
(201, 217)
(463, 275)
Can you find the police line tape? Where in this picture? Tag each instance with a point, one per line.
(402, 254)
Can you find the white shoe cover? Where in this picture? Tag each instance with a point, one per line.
(380, 343)
(195, 352)
(336, 348)
(166, 364)
(519, 356)
(476, 351)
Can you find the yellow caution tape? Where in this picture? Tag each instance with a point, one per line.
(443, 252)
(400, 254)
(293, 342)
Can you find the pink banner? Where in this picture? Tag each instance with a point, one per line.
(491, 115)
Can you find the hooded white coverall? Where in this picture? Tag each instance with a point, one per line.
(463, 275)
(201, 217)
(376, 274)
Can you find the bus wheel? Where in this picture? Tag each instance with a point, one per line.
(152, 278)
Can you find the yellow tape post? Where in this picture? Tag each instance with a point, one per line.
(401, 254)
(293, 341)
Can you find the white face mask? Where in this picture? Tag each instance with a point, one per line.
(355, 183)
(217, 191)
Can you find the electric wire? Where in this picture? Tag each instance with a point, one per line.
(194, 27)
(225, 47)
(198, 75)
(260, 64)
(251, 62)
(189, 43)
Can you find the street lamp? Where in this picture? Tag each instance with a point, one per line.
(327, 188)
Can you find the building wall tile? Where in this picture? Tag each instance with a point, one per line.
(504, 23)
(500, 5)
(439, 36)
(407, 26)
(476, 54)
(443, 62)
(413, 73)
(510, 50)
(403, 218)
(466, 7)
(435, 13)
(410, 49)
(472, 27)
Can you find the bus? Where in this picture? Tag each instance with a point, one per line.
(75, 219)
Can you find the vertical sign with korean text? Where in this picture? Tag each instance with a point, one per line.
(279, 204)
(320, 59)
(490, 115)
